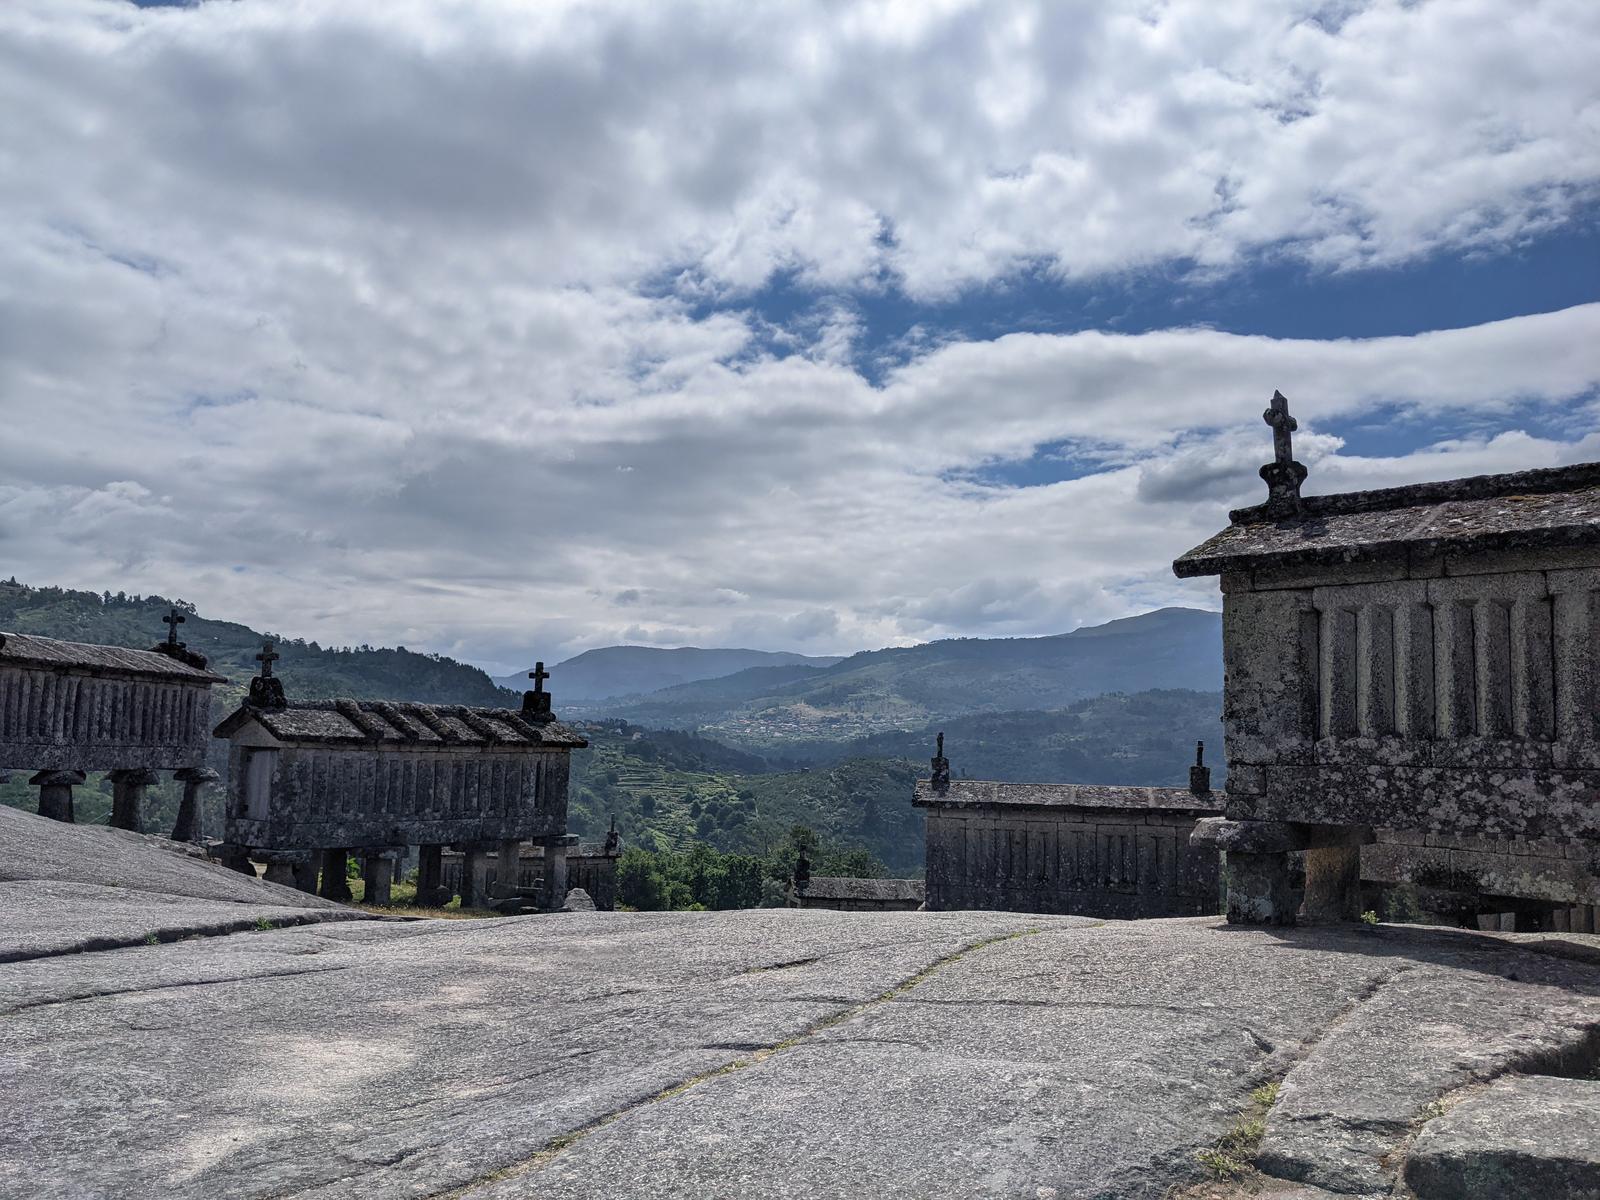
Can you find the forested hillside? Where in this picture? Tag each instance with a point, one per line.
(773, 709)
(616, 671)
(309, 670)
(670, 791)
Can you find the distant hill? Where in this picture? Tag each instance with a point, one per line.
(908, 687)
(613, 672)
(309, 671)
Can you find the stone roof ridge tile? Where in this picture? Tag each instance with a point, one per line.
(1064, 795)
(402, 722)
(1537, 481)
(369, 723)
(35, 650)
(484, 729)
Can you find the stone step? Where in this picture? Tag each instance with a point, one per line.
(1524, 1135)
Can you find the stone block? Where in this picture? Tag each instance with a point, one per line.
(1523, 1136)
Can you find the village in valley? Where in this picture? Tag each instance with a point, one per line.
(1003, 601)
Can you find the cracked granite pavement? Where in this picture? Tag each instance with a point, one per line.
(753, 1054)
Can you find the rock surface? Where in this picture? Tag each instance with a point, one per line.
(1522, 1136)
(756, 1054)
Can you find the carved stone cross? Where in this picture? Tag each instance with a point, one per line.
(538, 675)
(266, 658)
(1283, 426)
(172, 620)
(1283, 475)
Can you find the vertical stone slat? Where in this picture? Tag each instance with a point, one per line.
(1375, 671)
(1492, 654)
(1456, 674)
(1532, 669)
(1415, 711)
(1577, 697)
(1337, 674)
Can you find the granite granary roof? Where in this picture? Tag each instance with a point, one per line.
(980, 792)
(1558, 506)
(25, 649)
(379, 722)
(842, 887)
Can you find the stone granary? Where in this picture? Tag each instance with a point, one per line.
(312, 781)
(1414, 666)
(849, 894)
(67, 708)
(1086, 849)
(591, 867)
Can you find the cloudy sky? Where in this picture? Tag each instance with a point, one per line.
(507, 329)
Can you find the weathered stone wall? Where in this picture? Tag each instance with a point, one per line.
(360, 796)
(1562, 873)
(1092, 862)
(856, 904)
(1445, 695)
(589, 868)
(77, 720)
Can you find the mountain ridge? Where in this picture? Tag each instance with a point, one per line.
(617, 672)
(903, 687)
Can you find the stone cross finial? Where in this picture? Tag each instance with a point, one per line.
(940, 779)
(536, 704)
(1283, 475)
(265, 691)
(172, 620)
(1199, 774)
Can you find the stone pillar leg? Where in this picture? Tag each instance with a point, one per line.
(555, 872)
(55, 793)
(1258, 889)
(430, 875)
(508, 868)
(378, 871)
(305, 875)
(280, 872)
(334, 884)
(473, 865)
(190, 825)
(127, 797)
(1333, 885)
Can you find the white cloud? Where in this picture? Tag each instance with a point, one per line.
(367, 299)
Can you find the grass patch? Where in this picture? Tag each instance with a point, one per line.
(1234, 1153)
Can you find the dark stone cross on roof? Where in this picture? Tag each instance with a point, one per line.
(172, 620)
(1283, 427)
(536, 704)
(1283, 475)
(266, 658)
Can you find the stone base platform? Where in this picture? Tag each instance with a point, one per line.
(770, 1053)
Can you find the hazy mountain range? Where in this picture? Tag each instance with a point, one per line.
(615, 671)
(906, 687)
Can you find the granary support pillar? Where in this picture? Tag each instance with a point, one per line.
(280, 872)
(556, 849)
(55, 793)
(430, 876)
(474, 867)
(127, 797)
(377, 870)
(286, 867)
(508, 868)
(1258, 869)
(335, 885)
(190, 825)
(305, 874)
